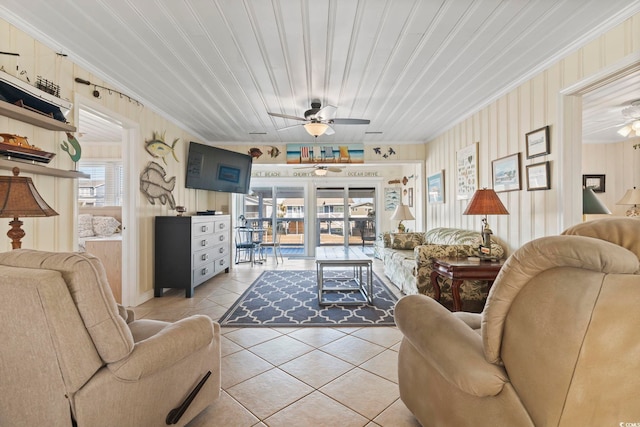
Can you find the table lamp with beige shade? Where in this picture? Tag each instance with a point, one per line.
(19, 198)
(402, 213)
(631, 197)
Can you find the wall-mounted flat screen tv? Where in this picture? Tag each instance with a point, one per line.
(217, 169)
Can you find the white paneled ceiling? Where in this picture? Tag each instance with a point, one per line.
(412, 67)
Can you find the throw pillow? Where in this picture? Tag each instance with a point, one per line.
(85, 225)
(105, 225)
(406, 241)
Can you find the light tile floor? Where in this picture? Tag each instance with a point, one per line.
(310, 376)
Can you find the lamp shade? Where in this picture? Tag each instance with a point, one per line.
(19, 198)
(316, 129)
(485, 202)
(631, 197)
(591, 205)
(402, 213)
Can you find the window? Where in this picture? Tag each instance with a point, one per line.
(106, 185)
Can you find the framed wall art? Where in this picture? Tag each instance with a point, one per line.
(538, 176)
(595, 182)
(392, 197)
(506, 173)
(467, 168)
(435, 188)
(538, 142)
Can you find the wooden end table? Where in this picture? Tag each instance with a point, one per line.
(460, 269)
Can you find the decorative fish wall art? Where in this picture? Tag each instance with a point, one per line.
(154, 185)
(255, 152)
(273, 151)
(159, 149)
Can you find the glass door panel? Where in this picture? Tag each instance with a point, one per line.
(362, 217)
(279, 209)
(331, 227)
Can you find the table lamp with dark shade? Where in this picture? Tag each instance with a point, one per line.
(591, 205)
(485, 202)
(19, 198)
(402, 213)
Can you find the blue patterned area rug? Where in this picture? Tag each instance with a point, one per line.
(289, 298)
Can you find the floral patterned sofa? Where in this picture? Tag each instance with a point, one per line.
(407, 259)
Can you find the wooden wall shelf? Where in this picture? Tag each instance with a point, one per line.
(40, 169)
(36, 119)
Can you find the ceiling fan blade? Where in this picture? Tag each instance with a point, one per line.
(286, 116)
(350, 121)
(326, 113)
(334, 169)
(329, 131)
(290, 127)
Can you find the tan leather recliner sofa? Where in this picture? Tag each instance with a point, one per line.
(557, 346)
(69, 352)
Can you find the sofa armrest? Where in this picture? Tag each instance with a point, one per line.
(453, 348)
(172, 344)
(386, 239)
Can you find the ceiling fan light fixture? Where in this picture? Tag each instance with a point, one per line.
(316, 129)
(624, 131)
(636, 126)
(320, 172)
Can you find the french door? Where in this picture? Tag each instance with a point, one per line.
(278, 209)
(345, 216)
(305, 217)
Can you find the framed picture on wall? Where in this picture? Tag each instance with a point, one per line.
(595, 182)
(392, 197)
(506, 173)
(467, 168)
(538, 176)
(538, 142)
(435, 188)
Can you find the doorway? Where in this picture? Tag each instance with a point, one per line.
(108, 156)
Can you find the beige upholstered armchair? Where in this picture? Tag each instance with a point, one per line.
(70, 354)
(556, 345)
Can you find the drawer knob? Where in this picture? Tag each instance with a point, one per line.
(221, 250)
(221, 237)
(205, 271)
(221, 262)
(205, 257)
(205, 242)
(204, 228)
(222, 226)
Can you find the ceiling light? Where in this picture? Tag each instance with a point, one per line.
(631, 113)
(320, 171)
(316, 129)
(624, 131)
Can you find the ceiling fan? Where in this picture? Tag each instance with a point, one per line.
(318, 119)
(321, 170)
(631, 127)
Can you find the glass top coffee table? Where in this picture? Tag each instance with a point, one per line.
(361, 282)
